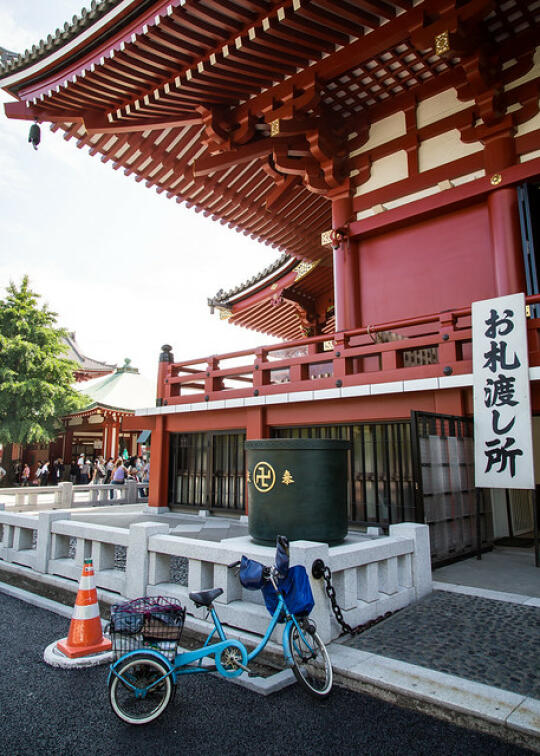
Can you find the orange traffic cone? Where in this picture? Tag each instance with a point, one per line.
(85, 634)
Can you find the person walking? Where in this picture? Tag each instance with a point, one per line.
(44, 474)
(98, 475)
(109, 467)
(85, 468)
(25, 475)
(58, 471)
(118, 476)
(37, 475)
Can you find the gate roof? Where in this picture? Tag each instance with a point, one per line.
(247, 110)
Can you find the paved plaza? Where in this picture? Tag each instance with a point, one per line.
(491, 642)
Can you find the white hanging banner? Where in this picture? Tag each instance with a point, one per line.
(503, 453)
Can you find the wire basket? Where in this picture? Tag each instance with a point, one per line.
(151, 622)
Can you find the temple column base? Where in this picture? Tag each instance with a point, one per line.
(155, 510)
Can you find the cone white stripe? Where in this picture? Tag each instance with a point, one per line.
(85, 612)
(86, 583)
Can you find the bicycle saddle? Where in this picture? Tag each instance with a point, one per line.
(205, 598)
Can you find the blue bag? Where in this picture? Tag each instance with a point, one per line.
(251, 574)
(296, 591)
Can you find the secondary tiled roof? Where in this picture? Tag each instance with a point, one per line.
(222, 297)
(125, 390)
(16, 62)
(85, 363)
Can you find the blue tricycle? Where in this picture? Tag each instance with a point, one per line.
(141, 682)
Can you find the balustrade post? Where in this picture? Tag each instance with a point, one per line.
(389, 358)
(212, 383)
(421, 557)
(7, 541)
(163, 387)
(138, 556)
(339, 361)
(305, 553)
(44, 538)
(298, 372)
(66, 494)
(260, 376)
(131, 492)
(447, 344)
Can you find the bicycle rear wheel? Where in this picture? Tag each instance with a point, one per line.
(311, 663)
(146, 700)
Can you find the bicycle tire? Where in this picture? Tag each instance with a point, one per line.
(311, 667)
(140, 670)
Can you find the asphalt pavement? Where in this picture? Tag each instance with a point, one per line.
(53, 711)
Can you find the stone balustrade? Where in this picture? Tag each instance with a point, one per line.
(66, 495)
(371, 575)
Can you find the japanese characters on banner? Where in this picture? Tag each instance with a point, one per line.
(502, 404)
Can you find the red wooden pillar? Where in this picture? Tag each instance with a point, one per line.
(68, 443)
(346, 268)
(159, 466)
(114, 438)
(107, 427)
(256, 423)
(499, 153)
(506, 241)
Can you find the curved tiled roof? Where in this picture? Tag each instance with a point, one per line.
(61, 36)
(83, 362)
(221, 298)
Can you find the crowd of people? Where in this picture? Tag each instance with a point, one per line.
(83, 470)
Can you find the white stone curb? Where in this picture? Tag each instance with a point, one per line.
(467, 590)
(508, 710)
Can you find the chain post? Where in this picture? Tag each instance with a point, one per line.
(320, 570)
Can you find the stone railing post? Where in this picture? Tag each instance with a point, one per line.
(65, 491)
(305, 553)
(421, 558)
(44, 538)
(131, 491)
(138, 556)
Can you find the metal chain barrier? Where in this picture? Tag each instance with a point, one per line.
(320, 570)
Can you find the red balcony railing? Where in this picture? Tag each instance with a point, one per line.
(421, 347)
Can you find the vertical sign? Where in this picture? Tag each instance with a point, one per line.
(503, 454)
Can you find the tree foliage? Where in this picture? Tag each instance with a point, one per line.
(35, 377)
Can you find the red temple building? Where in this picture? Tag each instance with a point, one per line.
(389, 150)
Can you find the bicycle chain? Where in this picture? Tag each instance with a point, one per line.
(331, 593)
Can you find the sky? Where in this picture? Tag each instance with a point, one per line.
(126, 269)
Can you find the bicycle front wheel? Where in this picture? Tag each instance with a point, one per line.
(311, 663)
(135, 694)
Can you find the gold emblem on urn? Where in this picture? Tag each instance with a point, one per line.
(287, 478)
(264, 477)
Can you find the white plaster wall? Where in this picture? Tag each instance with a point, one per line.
(444, 149)
(529, 156)
(380, 132)
(438, 107)
(385, 171)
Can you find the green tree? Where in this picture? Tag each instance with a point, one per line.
(35, 378)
